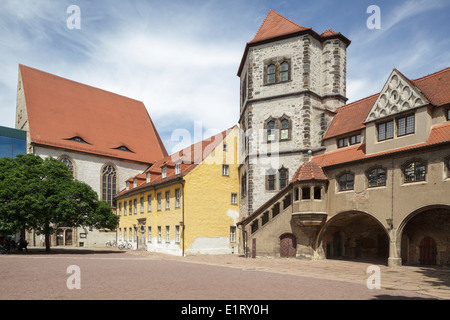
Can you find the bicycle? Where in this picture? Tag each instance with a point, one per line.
(125, 245)
(110, 244)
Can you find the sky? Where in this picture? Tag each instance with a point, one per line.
(180, 58)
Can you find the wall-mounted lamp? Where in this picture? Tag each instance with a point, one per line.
(389, 223)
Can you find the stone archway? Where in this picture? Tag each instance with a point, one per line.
(424, 236)
(354, 235)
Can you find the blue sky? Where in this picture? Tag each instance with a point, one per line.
(181, 57)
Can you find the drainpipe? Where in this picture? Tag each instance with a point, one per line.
(182, 216)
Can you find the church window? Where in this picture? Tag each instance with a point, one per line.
(377, 177)
(405, 125)
(415, 171)
(346, 182)
(68, 163)
(271, 74)
(109, 177)
(386, 130)
(284, 71)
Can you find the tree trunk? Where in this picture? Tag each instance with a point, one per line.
(47, 242)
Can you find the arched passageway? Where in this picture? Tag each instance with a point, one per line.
(354, 236)
(425, 237)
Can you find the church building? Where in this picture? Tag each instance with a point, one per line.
(102, 137)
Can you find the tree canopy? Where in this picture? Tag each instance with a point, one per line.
(41, 194)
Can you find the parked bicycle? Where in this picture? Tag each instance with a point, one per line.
(125, 245)
(110, 244)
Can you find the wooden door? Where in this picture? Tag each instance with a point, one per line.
(428, 251)
(288, 246)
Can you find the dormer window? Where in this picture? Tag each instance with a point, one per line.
(164, 172)
(128, 188)
(123, 148)
(148, 177)
(178, 168)
(77, 139)
(134, 183)
(448, 114)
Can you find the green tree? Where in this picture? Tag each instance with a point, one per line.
(40, 194)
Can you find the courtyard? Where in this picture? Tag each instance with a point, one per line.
(137, 275)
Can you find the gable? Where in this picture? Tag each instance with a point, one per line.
(398, 95)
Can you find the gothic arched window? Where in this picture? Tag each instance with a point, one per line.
(68, 163)
(108, 183)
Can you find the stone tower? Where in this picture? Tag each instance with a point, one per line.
(292, 80)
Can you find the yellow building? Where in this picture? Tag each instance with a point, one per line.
(186, 203)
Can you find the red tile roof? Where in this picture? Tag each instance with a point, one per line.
(276, 26)
(440, 134)
(351, 117)
(60, 109)
(309, 171)
(190, 157)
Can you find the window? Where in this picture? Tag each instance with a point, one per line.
(225, 170)
(128, 186)
(149, 203)
(177, 198)
(271, 74)
(177, 234)
(124, 208)
(164, 172)
(284, 76)
(167, 234)
(158, 201)
(448, 114)
(271, 182)
(271, 131)
(265, 218)
(149, 234)
(283, 178)
(232, 234)
(120, 209)
(159, 234)
(178, 168)
(355, 139)
(377, 177)
(275, 209)
(234, 198)
(167, 200)
(415, 171)
(386, 131)
(254, 226)
(317, 193)
(135, 206)
(306, 193)
(130, 207)
(342, 143)
(142, 204)
(225, 147)
(346, 182)
(244, 185)
(284, 129)
(134, 183)
(68, 163)
(405, 125)
(447, 165)
(108, 184)
(148, 177)
(296, 194)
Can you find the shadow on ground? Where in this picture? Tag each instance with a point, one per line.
(76, 251)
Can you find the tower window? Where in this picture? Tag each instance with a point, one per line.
(271, 131)
(271, 74)
(284, 129)
(284, 76)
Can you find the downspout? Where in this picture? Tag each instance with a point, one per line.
(182, 216)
